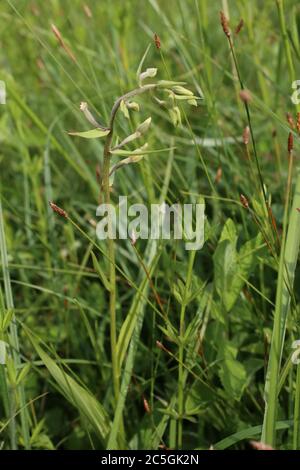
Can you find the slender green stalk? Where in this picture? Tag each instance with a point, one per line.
(112, 272)
(111, 243)
(13, 339)
(285, 39)
(296, 435)
(286, 274)
(181, 348)
(287, 266)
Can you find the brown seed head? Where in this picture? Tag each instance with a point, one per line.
(239, 26)
(290, 120)
(218, 175)
(87, 11)
(58, 210)
(146, 406)
(246, 135)
(157, 41)
(290, 142)
(245, 96)
(62, 43)
(225, 24)
(244, 201)
(298, 122)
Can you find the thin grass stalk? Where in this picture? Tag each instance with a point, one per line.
(286, 274)
(287, 266)
(285, 39)
(296, 433)
(4, 392)
(111, 243)
(13, 339)
(181, 349)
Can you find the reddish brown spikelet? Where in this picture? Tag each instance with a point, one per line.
(87, 11)
(271, 214)
(98, 173)
(245, 96)
(59, 37)
(298, 209)
(239, 26)
(298, 122)
(246, 135)
(161, 346)
(58, 210)
(225, 24)
(40, 64)
(260, 445)
(157, 41)
(218, 175)
(290, 120)
(146, 406)
(244, 201)
(290, 142)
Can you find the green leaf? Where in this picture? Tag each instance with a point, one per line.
(92, 134)
(232, 373)
(78, 396)
(247, 434)
(100, 272)
(24, 372)
(233, 268)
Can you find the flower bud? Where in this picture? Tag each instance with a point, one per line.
(123, 109)
(180, 90)
(133, 105)
(192, 102)
(144, 126)
(149, 73)
(175, 116)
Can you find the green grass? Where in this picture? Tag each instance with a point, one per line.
(116, 346)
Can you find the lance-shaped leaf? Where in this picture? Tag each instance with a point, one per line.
(81, 398)
(91, 134)
(140, 151)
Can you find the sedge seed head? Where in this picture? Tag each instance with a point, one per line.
(58, 210)
(245, 96)
(225, 24)
(239, 26)
(157, 41)
(246, 135)
(290, 120)
(244, 201)
(290, 142)
(298, 122)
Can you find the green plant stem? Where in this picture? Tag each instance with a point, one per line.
(286, 43)
(110, 242)
(296, 435)
(287, 266)
(14, 342)
(112, 273)
(249, 123)
(285, 39)
(181, 348)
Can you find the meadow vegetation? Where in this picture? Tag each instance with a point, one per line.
(142, 344)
